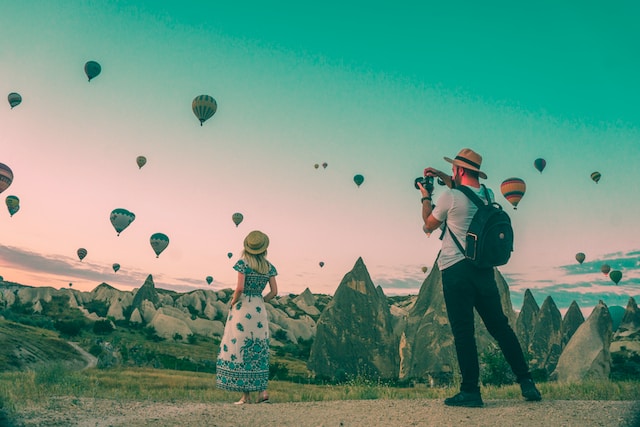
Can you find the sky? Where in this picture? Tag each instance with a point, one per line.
(382, 90)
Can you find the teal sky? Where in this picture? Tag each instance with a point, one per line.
(380, 90)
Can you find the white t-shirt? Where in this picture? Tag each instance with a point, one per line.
(454, 207)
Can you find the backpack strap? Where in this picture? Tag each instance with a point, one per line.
(476, 200)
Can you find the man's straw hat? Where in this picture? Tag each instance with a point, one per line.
(256, 242)
(468, 159)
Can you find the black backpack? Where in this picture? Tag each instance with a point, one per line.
(490, 235)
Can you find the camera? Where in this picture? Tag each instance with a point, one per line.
(426, 181)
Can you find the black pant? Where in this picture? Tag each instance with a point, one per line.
(465, 287)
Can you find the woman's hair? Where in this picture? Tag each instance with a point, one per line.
(257, 262)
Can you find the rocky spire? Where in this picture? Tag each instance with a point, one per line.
(631, 319)
(587, 353)
(146, 292)
(527, 320)
(571, 322)
(546, 340)
(354, 334)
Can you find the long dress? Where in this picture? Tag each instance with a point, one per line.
(243, 359)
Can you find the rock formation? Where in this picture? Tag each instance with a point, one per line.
(526, 320)
(625, 347)
(587, 355)
(354, 334)
(572, 320)
(146, 292)
(546, 340)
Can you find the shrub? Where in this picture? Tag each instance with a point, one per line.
(494, 368)
(70, 328)
(102, 327)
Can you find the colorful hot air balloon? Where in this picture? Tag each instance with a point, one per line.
(229, 255)
(141, 161)
(204, 107)
(115, 267)
(615, 275)
(121, 218)
(513, 190)
(321, 264)
(209, 280)
(605, 268)
(237, 218)
(82, 252)
(540, 164)
(13, 204)
(324, 165)
(14, 99)
(596, 176)
(6, 177)
(580, 257)
(159, 243)
(92, 69)
(358, 179)
(424, 269)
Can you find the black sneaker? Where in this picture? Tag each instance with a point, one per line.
(529, 391)
(469, 400)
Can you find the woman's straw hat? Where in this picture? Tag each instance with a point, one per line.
(256, 242)
(468, 159)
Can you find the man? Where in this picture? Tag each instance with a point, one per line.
(466, 286)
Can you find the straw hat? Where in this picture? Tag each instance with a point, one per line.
(256, 242)
(468, 159)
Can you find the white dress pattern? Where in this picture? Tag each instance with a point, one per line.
(243, 359)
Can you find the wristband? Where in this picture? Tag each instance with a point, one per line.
(425, 198)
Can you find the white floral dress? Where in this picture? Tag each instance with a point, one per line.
(243, 360)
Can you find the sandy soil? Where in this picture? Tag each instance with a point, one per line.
(366, 413)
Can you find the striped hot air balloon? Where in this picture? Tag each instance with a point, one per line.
(82, 252)
(580, 257)
(6, 177)
(92, 69)
(513, 190)
(13, 204)
(14, 99)
(159, 242)
(204, 107)
(595, 176)
(605, 268)
(115, 267)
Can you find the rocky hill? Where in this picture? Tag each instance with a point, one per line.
(357, 331)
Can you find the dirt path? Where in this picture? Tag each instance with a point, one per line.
(354, 413)
(92, 361)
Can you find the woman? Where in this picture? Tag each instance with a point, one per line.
(243, 359)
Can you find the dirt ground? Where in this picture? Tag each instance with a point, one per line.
(354, 413)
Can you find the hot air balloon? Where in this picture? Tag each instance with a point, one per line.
(159, 243)
(70, 284)
(92, 69)
(121, 218)
(204, 107)
(605, 268)
(615, 275)
(237, 218)
(6, 177)
(115, 267)
(321, 264)
(209, 280)
(229, 255)
(513, 190)
(540, 164)
(358, 179)
(324, 165)
(14, 99)
(596, 176)
(82, 252)
(424, 269)
(316, 166)
(141, 161)
(580, 257)
(13, 204)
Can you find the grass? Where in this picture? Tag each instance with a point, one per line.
(19, 390)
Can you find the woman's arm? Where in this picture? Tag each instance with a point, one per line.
(273, 285)
(239, 289)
